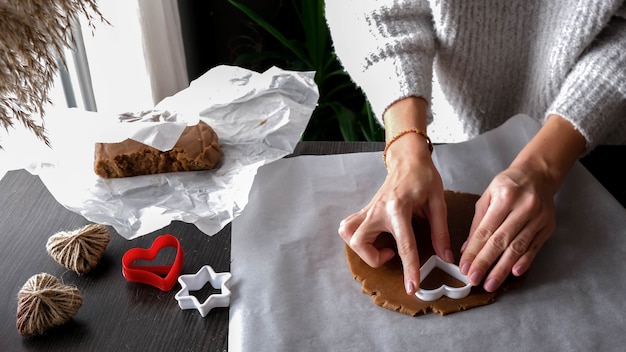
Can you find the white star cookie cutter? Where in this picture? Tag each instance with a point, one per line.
(194, 282)
(451, 269)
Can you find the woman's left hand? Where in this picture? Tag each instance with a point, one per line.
(515, 215)
(513, 218)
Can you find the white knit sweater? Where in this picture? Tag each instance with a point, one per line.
(493, 58)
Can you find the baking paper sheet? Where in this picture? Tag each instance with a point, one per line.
(258, 117)
(292, 290)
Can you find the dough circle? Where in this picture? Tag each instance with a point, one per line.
(386, 285)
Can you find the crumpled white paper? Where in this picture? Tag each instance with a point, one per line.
(258, 117)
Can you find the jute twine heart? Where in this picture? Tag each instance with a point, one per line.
(79, 250)
(43, 303)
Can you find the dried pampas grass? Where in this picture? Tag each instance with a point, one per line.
(33, 35)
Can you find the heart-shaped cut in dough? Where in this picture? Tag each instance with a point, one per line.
(443, 290)
(150, 275)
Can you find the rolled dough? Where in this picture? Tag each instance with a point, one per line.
(386, 285)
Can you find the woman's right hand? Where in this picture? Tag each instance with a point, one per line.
(413, 187)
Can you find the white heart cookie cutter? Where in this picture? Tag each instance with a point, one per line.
(194, 282)
(451, 269)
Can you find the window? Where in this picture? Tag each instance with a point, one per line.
(129, 64)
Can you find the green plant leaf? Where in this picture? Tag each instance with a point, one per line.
(374, 131)
(348, 122)
(316, 32)
(273, 31)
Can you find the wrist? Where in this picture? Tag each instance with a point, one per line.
(406, 113)
(552, 151)
(406, 152)
(538, 169)
(404, 133)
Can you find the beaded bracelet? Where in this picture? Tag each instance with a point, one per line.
(402, 133)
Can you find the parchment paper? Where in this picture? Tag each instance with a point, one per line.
(258, 117)
(292, 290)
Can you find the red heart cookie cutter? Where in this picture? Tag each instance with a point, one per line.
(146, 274)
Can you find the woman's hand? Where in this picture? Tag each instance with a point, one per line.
(406, 192)
(516, 215)
(413, 187)
(513, 219)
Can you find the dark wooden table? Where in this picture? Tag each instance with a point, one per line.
(120, 316)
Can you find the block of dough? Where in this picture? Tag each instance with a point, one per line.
(386, 284)
(196, 149)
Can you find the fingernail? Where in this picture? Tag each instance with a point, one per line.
(491, 285)
(449, 256)
(410, 287)
(465, 268)
(518, 270)
(463, 246)
(475, 278)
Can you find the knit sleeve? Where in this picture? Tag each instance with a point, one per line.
(387, 47)
(593, 96)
